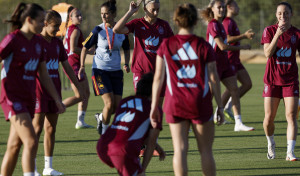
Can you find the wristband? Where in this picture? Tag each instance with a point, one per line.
(126, 65)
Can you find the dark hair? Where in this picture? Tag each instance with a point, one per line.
(144, 86)
(286, 4)
(52, 14)
(22, 11)
(111, 5)
(186, 15)
(228, 2)
(207, 14)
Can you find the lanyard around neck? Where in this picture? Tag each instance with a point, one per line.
(110, 44)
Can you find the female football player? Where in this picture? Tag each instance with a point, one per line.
(281, 41)
(216, 36)
(189, 64)
(22, 54)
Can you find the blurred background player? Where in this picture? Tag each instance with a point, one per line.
(149, 32)
(281, 42)
(233, 38)
(216, 36)
(188, 62)
(120, 146)
(45, 104)
(73, 45)
(107, 76)
(22, 53)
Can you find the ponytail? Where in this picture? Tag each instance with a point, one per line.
(70, 9)
(207, 14)
(21, 12)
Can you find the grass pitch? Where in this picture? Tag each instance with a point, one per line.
(236, 153)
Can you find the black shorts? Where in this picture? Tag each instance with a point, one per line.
(107, 81)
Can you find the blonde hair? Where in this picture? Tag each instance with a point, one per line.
(207, 13)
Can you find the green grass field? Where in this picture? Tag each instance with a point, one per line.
(236, 153)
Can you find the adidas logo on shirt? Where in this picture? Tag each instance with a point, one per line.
(186, 53)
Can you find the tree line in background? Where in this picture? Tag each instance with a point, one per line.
(254, 14)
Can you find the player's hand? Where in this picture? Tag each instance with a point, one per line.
(281, 29)
(61, 107)
(249, 34)
(126, 68)
(133, 8)
(220, 116)
(81, 73)
(154, 117)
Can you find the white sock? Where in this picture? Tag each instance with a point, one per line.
(80, 116)
(104, 128)
(35, 168)
(290, 146)
(228, 104)
(28, 174)
(48, 162)
(270, 139)
(238, 119)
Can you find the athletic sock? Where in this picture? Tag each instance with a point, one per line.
(270, 139)
(80, 116)
(28, 174)
(104, 128)
(290, 146)
(35, 168)
(228, 104)
(238, 119)
(48, 162)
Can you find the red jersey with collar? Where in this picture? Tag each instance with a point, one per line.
(21, 58)
(130, 127)
(186, 58)
(54, 53)
(232, 29)
(68, 36)
(216, 29)
(281, 68)
(147, 39)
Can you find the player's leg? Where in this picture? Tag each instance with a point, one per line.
(291, 105)
(179, 132)
(244, 78)
(231, 85)
(49, 142)
(204, 134)
(23, 128)
(10, 158)
(270, 106)
(38, 124)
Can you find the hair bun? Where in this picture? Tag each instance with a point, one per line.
(112, 1)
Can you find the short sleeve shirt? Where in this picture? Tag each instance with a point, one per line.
(54, 53)
(232, 29)
(103, 59)
(21, 58)
(147, 39)
(186, 58)
(216, 29)
(281, 68)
